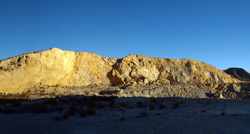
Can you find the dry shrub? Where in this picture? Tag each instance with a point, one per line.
(142, 114)
(140, 104)
(151, 106)
(123, 104)
(57, 118)
(162, 106)
(65, 116)
(91, 111)
(83, 113)
(100, 106)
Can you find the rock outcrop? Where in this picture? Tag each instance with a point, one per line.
(55, 67)
(142, 70)
(239, 73)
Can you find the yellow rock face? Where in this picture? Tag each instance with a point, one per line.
(55, 67)
(142, 70)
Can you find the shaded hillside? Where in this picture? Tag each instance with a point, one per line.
(239, 73)
(63, 69)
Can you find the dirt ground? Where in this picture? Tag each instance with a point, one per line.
(179, 115)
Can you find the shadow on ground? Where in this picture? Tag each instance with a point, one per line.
(95, 114)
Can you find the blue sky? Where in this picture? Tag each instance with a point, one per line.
(213, 31)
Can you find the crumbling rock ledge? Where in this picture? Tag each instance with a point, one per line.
(58, 68)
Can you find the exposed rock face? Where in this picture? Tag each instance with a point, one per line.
(53, 67)
(142, 70)
(239, 73)
(56, 67)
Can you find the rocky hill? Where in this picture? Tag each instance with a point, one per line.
(63, 69)
(239, 73)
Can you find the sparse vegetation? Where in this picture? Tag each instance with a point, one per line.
(59, 108)
(112, 104)
(161, 106)
(123, 104)
(92, 102)
(151, 106)
(16, 104)
(91, 111)
(72, 110)
(203, 110)
(122, 119)
(100, 106)
(52, 102)
(40, 108)
(153, 100)
(65, 116)
(176, 105)
(142, 114)
(234, 114)
(140, 104)
(83, 113)
(57, 118)
(65, 101)
(8, 111)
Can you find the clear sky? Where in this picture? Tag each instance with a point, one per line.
(213, 31)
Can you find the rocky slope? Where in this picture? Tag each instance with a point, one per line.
(67, 69)
(239, 73)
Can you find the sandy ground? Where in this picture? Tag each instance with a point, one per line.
(194, 116)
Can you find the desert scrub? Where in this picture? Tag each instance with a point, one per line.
(39, 108)
(122, 119)
(100, 106)
(9, 110)
(142, 114)
(161, 106)
(111, 98)
(151, 106)
(72, 110)
(91, 102)
(177, 104)
(203, 110)
(153, 100)
(91, 111)
(140, 104)
(123, 104)
(83, 113)
(112, 104)
(65, 101)
(52, 102)
(65, 116)
(16, 103)
(57, 118)
(59, 108)
(234, 114)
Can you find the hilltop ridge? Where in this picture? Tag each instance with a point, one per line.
(56, 67)
(239, 73)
